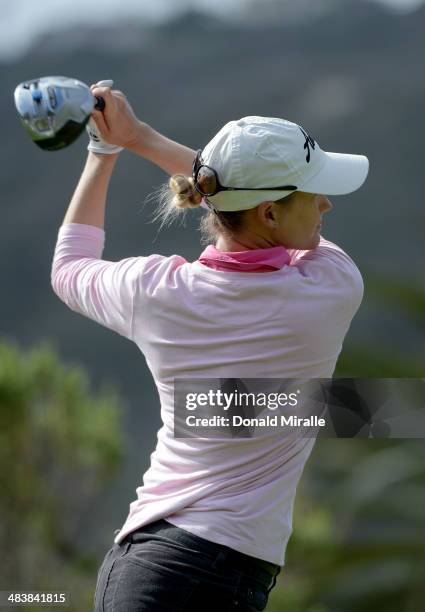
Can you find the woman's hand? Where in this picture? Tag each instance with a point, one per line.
(117, 123)
(119, 126)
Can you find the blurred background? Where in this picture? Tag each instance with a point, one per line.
(79, 411)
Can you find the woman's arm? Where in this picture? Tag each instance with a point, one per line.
(172, 157)
(87, 205)
(119, 125)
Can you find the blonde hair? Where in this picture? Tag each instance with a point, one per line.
(174, 198)
(178, 194)
(185, 194)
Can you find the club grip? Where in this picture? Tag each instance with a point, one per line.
(100, 104)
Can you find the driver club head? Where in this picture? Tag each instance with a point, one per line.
(54, 110)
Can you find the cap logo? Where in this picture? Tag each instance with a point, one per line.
(309, 142)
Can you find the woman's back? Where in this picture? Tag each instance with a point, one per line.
(193, 321)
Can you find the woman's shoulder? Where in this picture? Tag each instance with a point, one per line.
(327, 255)
(329, 266)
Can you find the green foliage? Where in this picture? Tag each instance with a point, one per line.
(359, 536)
(370, 361)
(406, 302)
(408, 298)
(59, 445)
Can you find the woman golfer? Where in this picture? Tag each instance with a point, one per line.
(268, 298)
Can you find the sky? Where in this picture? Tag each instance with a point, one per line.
(22, 21)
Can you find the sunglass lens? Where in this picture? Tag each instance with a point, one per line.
(206, 181)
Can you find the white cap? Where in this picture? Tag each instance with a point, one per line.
(268, 152)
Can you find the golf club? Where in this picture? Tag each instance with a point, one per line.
(54, 110)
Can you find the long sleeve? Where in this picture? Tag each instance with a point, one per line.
(101, 290)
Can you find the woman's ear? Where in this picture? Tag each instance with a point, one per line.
(266, 212)
(272, 215)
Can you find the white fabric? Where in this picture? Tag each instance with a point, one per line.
(255, 152)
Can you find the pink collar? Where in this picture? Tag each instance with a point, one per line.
(252, 260)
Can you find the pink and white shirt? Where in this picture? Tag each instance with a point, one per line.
(270, 313)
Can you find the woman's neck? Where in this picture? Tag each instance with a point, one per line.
(243, 243)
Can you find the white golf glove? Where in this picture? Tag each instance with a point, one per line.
(97, 144)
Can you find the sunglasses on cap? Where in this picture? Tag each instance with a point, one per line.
(207, 184)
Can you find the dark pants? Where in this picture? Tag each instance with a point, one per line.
(160, 568)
